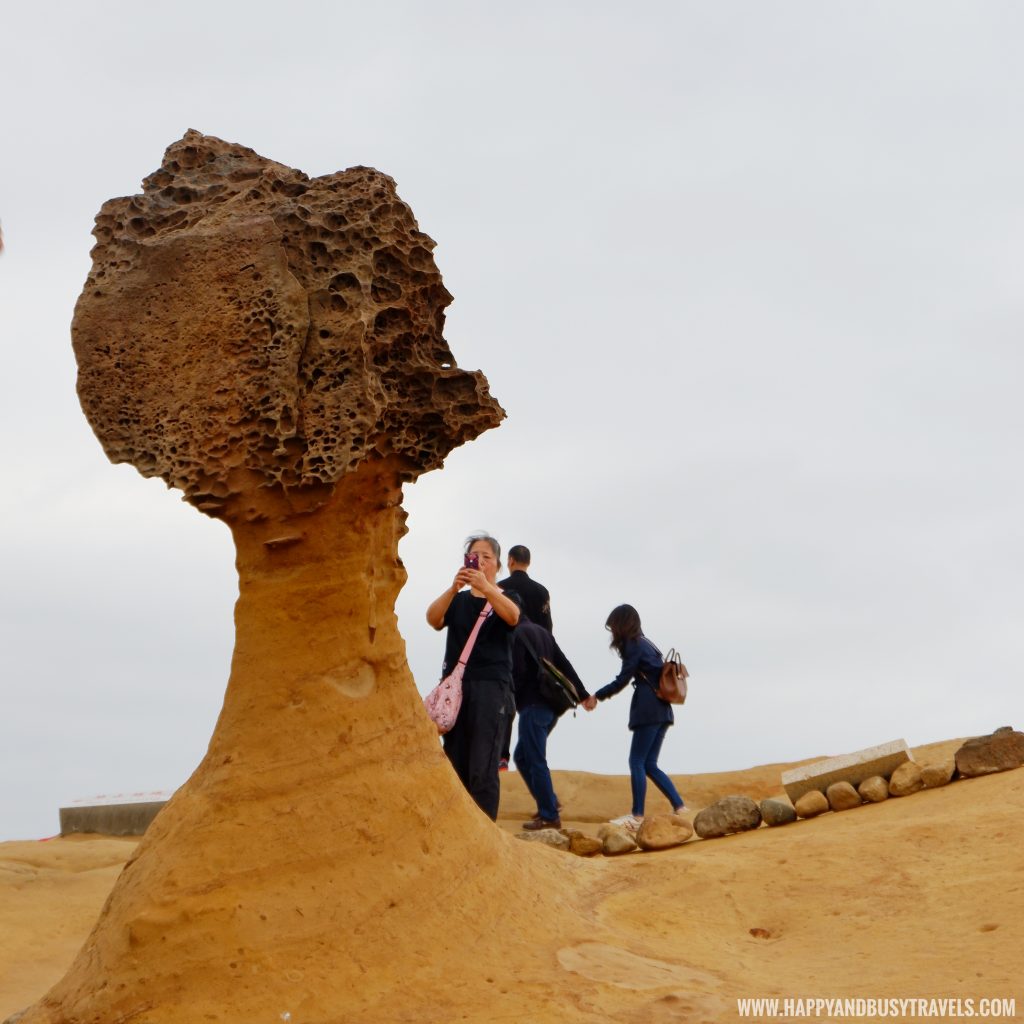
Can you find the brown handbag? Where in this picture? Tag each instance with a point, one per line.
(672, 681)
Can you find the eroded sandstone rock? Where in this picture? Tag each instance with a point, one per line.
(1000, 751)
(246, 326)
(271, 344)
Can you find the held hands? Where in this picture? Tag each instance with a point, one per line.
(590, 703)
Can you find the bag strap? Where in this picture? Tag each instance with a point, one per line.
(549, 668)
(655, 646)
(521, 635)
(468, 649)
(675, 657)
(643, 675)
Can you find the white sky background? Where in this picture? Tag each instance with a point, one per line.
(745, 277)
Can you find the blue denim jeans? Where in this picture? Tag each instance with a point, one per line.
(643, 765)
(531, 757)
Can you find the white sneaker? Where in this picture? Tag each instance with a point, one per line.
(630, 822)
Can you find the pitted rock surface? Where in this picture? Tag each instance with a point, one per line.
(245, 325)
(271, 344)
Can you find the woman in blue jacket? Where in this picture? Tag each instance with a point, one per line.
(649, 717)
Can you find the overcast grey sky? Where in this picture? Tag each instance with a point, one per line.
(744, 275)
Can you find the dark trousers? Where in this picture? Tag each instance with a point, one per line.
(535, 724)
(643, 765)
(474, 744)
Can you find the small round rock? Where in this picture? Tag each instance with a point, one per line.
(583, 845)
(935, 775)
(615, 840)
(777, 812)
(874, 790)
(906, 779)
(811, 804)
(730, 814)
(662, 831)
(842, 796)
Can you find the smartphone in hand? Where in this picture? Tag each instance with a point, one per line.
(472, 561)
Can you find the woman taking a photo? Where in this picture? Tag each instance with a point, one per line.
(474, 743)
(649, 716)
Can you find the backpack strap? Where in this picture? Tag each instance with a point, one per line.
(654, 645)
(653, 685)
(521, 635)
(549, 671)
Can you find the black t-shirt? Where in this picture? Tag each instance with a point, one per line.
(492, 652)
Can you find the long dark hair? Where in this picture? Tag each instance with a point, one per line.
(624, 623)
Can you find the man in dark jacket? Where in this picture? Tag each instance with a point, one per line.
(535, 602)
(537, 718)
(535, 598)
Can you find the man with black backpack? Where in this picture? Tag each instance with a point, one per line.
(535, 601)
(546, 685)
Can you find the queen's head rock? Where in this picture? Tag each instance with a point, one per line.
(272, 345)
(249, 333)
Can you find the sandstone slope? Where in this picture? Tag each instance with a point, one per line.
(919, 896)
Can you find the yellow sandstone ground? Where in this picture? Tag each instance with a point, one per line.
(290, 377)
(915, 897)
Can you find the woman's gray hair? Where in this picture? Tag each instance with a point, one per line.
(483, 535)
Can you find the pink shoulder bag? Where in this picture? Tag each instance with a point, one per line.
(445, 699)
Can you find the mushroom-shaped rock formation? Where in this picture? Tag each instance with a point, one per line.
(250, 334)
(271, 344)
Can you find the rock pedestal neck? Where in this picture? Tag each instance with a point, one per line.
(272, 345)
